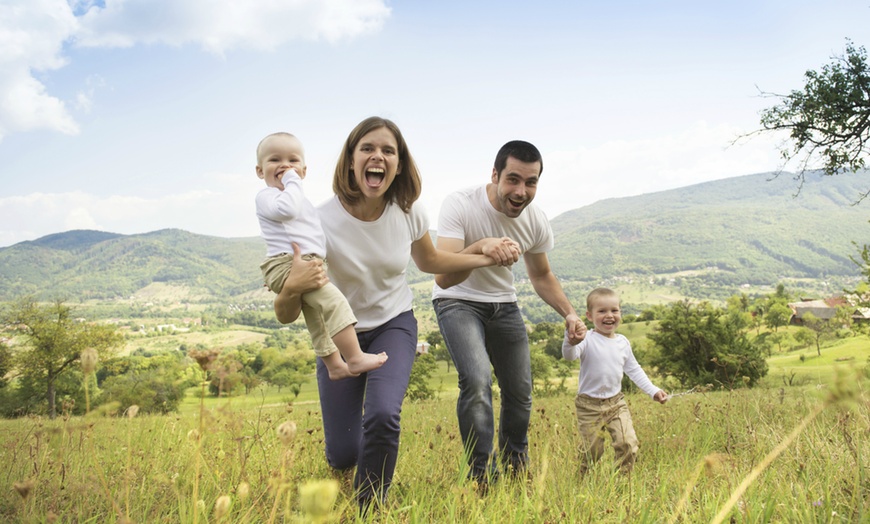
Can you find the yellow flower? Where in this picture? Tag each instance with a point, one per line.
(317, 497)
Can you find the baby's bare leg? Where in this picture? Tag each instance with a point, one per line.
(357, 361)
(336, 367)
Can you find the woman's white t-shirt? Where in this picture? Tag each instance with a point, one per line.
(367, 261)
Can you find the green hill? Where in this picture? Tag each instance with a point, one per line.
(751, 229)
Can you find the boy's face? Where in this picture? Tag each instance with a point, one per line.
(277, 154)
(605, 315)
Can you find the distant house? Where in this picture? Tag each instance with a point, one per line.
(422, 347)
(826, 308)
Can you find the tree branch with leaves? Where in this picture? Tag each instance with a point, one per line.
(828, 121)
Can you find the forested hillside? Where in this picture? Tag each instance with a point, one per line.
(754, 229)
(751, 229)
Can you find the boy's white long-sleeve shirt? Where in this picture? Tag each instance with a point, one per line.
(287, 216)
(603, 361)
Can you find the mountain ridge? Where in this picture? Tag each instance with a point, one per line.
(749, 229)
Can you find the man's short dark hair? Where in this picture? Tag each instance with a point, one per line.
(519, 149)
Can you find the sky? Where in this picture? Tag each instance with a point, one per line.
(131, 116)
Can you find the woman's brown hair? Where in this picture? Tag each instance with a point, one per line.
(405, 188)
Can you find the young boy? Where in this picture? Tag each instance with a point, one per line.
(287, 217)
(604, 356)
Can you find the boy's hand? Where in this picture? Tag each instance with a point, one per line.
(575, 329)
(661, 396)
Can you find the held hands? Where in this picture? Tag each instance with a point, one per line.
(504, 251)
(575, 329)
(661, 396)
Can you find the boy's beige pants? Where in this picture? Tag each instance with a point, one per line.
(594, 417)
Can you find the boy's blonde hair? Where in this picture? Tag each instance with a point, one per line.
(599, 292)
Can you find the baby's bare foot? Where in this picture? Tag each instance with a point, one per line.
(366, 362)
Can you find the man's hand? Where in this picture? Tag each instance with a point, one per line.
(576, 329)
(504, 251)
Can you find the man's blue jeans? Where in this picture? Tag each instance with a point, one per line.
(477, 335)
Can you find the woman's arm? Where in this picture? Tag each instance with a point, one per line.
(431, 260)
(305, 276)
(503, 251)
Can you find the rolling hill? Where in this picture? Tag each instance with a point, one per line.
(750, 229)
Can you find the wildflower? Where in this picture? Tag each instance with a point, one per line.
(193, 435)
(287, 432)
(243, 491)
(817, 503)
(316, 498)
(132, 411)
(89, 360)
(222, 506)
(24, 488)
(204, 357)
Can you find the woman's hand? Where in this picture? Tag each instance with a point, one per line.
(305, 276)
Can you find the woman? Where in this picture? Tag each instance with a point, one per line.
(372, 229)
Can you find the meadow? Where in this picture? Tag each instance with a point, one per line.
(776, 453)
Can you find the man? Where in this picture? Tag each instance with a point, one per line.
(478, 313)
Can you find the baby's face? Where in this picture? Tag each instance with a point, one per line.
(278, 153)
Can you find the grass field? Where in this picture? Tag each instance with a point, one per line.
(771, 454)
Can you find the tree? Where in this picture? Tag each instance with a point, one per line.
(777, 316)
(698, 346)
(438, 348)
(52, 342)
(421, 373)
(5, 362)
(829, 120)
(820, 328)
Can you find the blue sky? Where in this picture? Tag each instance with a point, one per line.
(137, 115)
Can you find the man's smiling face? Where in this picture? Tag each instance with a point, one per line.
(515, 186)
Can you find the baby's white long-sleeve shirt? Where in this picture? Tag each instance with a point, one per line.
(603, 361)
(287, 216)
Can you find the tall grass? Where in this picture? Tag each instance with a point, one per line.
(697, 452)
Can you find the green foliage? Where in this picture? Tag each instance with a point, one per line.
(5, 363)
(154, 389)
(51, 341)
(829, 120)
(777, 315)
(697, 345)
(419, 387)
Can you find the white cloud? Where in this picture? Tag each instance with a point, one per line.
(221, 26)
(620, 168)
(32, 33)
(225, 213)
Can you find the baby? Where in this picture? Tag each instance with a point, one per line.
(287, 217)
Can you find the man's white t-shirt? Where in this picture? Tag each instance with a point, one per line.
(468, 215)
(367, 260)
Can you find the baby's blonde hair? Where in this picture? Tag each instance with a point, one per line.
(279, 133)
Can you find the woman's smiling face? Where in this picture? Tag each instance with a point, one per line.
(376, 162)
